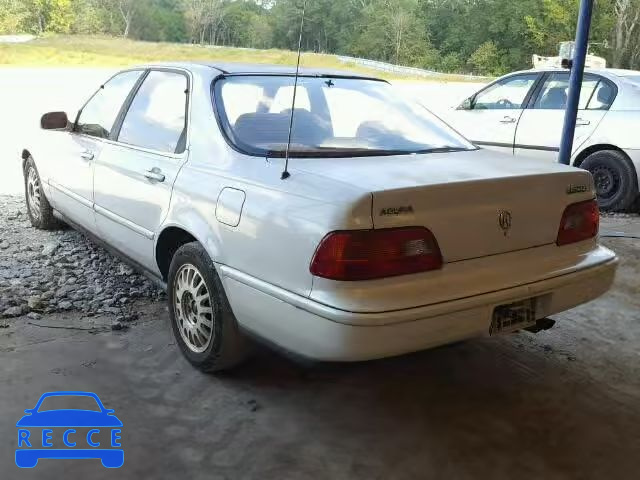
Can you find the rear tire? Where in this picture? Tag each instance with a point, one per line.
(38, 207)
(614, 177)
(201, 318)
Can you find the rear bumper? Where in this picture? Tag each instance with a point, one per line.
(312, 330)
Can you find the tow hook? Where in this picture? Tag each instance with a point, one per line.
(542, 324)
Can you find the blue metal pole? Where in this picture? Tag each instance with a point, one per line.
(575, 80)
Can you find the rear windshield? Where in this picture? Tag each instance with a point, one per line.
(332, 116)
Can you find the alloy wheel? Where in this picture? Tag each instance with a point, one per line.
(193, 309)
(33, 192)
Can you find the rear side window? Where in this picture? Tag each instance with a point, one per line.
(156, 117)
(595, 94)
(603, 96)
(99, 114)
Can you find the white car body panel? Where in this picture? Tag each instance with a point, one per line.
(74, 187)
(496, 128)
(543, 128)
(262, 232)
(129, 206)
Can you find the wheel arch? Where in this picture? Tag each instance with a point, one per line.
(25, 156)
(169, 241)
(173, 235)
(591, 149)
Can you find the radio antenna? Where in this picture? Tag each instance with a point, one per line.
(285, 172)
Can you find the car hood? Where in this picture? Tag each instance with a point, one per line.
(69, 418)
(410, 171)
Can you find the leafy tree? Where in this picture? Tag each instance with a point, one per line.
(450, 63)
(39, 16)
(487, 36)
(158, 21)
(12, 16)
(487, 59)
(391, 29)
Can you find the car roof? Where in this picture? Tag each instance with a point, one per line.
(607, 72)
(233, 68)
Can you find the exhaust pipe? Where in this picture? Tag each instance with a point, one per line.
(541, 324)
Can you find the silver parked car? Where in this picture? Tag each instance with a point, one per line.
(387, 233)
(522, 114)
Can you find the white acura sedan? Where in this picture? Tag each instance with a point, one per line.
(522, 114)
(391, 234)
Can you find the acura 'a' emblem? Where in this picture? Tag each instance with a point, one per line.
(504, 220)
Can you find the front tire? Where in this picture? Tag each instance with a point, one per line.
(614, 177)
(201, 317)
(38, 207)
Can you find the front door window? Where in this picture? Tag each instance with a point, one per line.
(507, 94)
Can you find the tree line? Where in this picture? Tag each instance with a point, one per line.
(487, 37)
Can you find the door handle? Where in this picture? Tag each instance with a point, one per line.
(508, 119)
(87, 155)
(154, 174)
(580, 122)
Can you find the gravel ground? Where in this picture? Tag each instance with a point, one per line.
(44, 272)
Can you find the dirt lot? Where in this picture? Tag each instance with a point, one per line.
(557, 405)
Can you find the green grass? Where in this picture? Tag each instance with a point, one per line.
(95, 51)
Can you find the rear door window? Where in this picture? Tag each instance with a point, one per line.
(595, 94)
(156, 118)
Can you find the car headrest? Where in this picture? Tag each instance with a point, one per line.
(273, 128)
(604, 95)
(555, 98)
(260, 128)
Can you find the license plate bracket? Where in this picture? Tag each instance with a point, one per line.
(513, 317)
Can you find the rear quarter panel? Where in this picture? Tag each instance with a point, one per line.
(281, 222)
(280, 225)
(618, 128)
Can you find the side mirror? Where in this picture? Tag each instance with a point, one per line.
(466, 105)
(54, 121)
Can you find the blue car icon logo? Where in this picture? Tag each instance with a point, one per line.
(84, 433)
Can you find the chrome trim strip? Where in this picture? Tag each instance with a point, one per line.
(536, 147)
(124, 222)
(517, 145)
(103, 211)
(78, 198)
(493, 144)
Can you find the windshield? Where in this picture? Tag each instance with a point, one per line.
(64, 402)
(333, 116)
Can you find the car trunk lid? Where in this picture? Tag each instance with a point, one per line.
(476, 203)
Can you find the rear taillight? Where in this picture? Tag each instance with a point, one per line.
(580, 221)
(368, 254)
